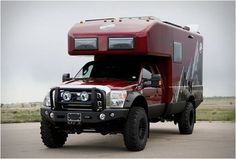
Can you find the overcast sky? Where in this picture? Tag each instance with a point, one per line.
(34, 41)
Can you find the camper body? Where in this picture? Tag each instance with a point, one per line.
(144, 70)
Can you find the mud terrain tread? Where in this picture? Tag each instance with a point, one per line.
(52, 137)
(183, 123)
(131, 139)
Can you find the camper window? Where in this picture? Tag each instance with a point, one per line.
(177, 52)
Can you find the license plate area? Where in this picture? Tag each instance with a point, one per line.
(73, 117)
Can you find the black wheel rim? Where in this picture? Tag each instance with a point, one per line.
(142, 128)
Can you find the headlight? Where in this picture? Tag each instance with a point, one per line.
(66, 96)
(118, 98)
(46, 101)
(85, 44)
(84, 96)
(121, 43)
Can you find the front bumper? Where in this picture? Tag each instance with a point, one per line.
(87, 116)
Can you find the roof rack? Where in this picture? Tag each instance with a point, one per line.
(172, 24)
(185, 27)
(141, 18)
(90, 20)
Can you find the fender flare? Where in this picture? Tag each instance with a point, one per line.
(191, 98)
(132, 96)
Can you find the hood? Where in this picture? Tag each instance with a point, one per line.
(111, 83)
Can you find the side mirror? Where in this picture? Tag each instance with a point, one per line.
(153, 82)
(156, 77)
(66, 77)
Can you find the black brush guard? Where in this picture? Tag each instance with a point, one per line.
(57, 104)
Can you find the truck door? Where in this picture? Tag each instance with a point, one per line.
(152, 94)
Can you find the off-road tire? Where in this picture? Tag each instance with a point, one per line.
(52, 137)
(186, 119)
(136, 129)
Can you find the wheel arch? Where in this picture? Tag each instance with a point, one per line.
(136, 99)
(191, 98)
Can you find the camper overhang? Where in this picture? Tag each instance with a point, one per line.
(126, 36)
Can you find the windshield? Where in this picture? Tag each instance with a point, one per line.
(110, 70)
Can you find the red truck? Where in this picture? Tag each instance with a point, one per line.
(144, 70)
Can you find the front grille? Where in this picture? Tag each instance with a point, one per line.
(74, 98)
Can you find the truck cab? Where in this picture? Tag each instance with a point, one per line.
(144, 70)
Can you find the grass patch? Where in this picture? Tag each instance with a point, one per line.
(212, 109)
(216, 114)
(20, 115)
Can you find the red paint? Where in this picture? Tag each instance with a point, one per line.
(112, 84)
(152, 37)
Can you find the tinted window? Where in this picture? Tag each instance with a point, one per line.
(110, 70)
(87, 71)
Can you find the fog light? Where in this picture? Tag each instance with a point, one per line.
(51, 115)
(46, 112)
(84, 96)
(99, 103)
(99, 95)
(66, 96)
(112, 115)
(102, 116)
